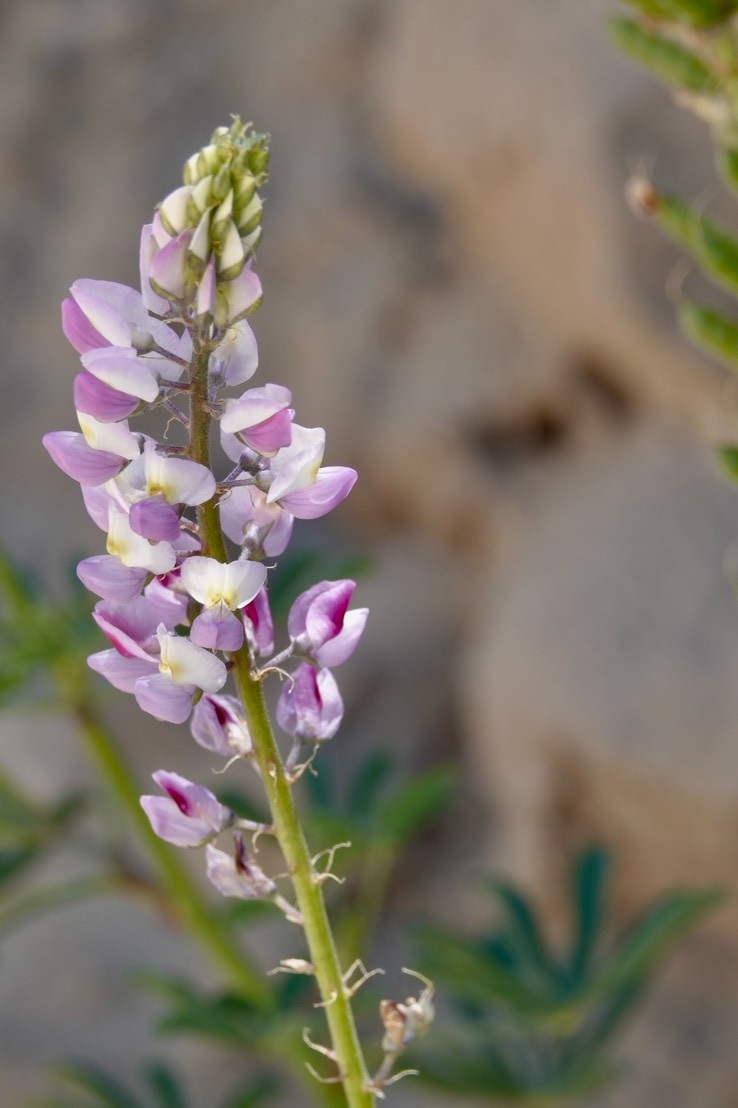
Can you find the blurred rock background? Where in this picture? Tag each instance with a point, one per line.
(456, 290)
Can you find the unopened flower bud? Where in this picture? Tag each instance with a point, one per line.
(405, 1022)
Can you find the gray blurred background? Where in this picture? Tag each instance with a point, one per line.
(456, 290)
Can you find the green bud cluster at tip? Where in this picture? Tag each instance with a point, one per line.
(220, 202)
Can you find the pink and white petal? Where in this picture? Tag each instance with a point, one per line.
(77, 328)
(116, 438)
(178, 479)
(244, 580)
(296, 466)
(130, 627)
(122, 673)
(133, 550)
(340, 648)
(241, 354)
(218, 629)
(331, 486)
(107, 577)
(232, 446)
(168, 270)
(121, 368)
(69, 450)
(189, 664)
(255, 406)
(97, 501)
(241, 295)
(158, 695)
(108, 307)
(271, 435)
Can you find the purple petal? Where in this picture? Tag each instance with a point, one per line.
(191, 799)
(158, 695)
(154, 519)
(217, 628)
(79, 461)
(104, 575)
(172, 825)
(122, 673)
(78, 330)
(331, 486)
(218, 725)
(131, 627)
(258, 622)
(340, 648)
(319, 612)
(99, 400)
(310, 708)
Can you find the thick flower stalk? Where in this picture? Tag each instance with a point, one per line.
(183, 585)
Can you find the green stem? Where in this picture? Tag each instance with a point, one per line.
(323, 954)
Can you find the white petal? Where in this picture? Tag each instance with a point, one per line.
(188, 664)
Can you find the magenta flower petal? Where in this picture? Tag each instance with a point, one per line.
(158, 695)
(189, 815)
(236, 874)
(99, 400)
(318, 612)
(257, 617)
(107, 577)
(340, 648)
(330, 487)
(79, 461)
(217, 628)
(154, 519)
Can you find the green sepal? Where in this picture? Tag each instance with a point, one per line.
(713, 332)
(668, 60)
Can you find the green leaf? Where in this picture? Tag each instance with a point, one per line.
(697, 13)
(258, 1092)
(523, 932)
(715, 333)
(468, 1068)
(165, 1086)
(718, 252)
(727, 163)
(471, 976)
(648, 940)
(14, 861)
(727, 458)
(666, 59)
(369, 779)
(100, 1084)
(588, 901)
(415, 803)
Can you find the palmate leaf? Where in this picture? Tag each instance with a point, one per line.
(105, 1089)
(646, 943)
(588, 912)
(523, 936)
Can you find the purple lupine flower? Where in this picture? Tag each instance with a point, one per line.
(260, 419)
(320, 625)
(257, 618)
(300, 484)
(222, 588)
(217, 724)
(184, 668)
(189, 815)
(263, 529)
(237, 875)
(310, 706)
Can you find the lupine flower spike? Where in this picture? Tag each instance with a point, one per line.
(182, 611)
